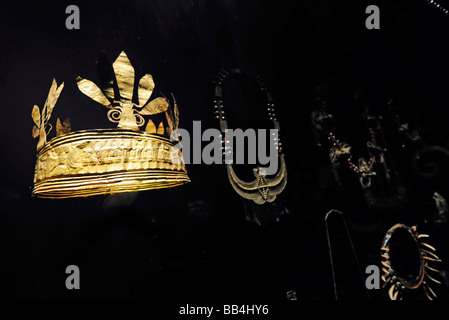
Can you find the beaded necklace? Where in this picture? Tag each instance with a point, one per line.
(339, 150)
(387, 192)
(438, 6)
(260, 195)
(219, 107)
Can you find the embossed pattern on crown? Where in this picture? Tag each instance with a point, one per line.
(102, 161)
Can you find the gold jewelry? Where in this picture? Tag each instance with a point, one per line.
(103, 161)
(262, 189)
(397, 284)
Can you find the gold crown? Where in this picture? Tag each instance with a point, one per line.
(102, 161)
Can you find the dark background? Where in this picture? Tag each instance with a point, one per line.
(192, 242)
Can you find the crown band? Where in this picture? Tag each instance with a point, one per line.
(103, 161)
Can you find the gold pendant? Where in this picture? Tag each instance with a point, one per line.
(262, 189)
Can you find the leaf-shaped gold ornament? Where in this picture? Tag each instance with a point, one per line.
(108, 90)
(52, 98)
(160, 129)
(41, 118)
(91, 90)
(124, 73)
(150, 128)
(67, 125)
(36, 115)
(146, 87)
(50, 93)
(58, 127)
(42, 138)
(105, 73)
(63, 128)
(176, 115)
(35, 132)
(169, 131)
(169, 117)
(155, 106)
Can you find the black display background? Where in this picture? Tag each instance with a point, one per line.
(153, 245)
